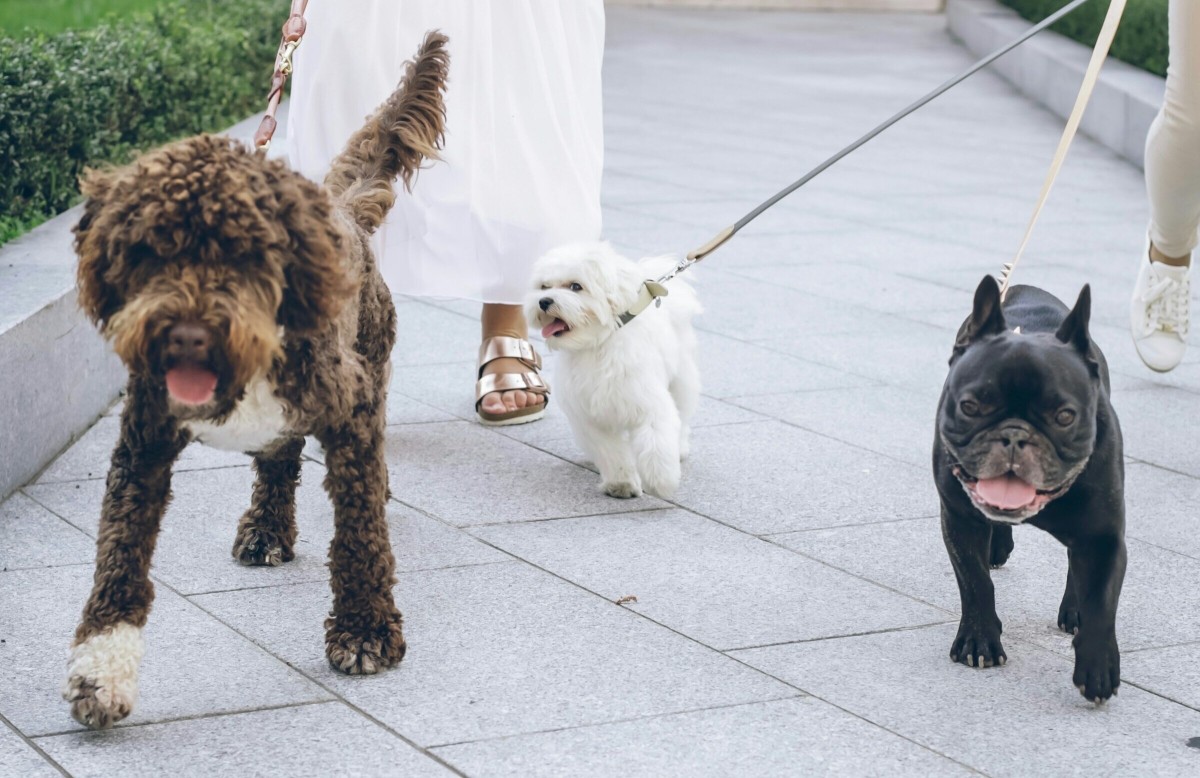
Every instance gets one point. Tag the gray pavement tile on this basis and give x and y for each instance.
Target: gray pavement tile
(766, 477)
(88, 458)
(429, 335)
(897, 352)
(31, 536)
(714, 584)
(405, 409)
(732, 368)
(466, 475)
(884, 419)
(193, 553)
(1160, 508)
(868, 288)
(761, 311)
(1159, 584)
(193, 665)
(1172, 672)
(503, 649)
(801, 736)
(18, 758)
(310, 740)
(997, 720)
(1150, 422)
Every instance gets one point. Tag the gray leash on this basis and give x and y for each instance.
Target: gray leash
(652, 290)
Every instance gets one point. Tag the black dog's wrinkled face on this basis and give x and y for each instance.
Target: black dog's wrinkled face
(1019, 412)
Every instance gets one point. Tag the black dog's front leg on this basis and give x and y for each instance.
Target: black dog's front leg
(968, 541)
(363, 633)
(102, 673)
(1097, 572)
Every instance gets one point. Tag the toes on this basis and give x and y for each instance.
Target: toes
(493, 403)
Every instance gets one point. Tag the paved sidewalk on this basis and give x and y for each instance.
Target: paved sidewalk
(794, 603)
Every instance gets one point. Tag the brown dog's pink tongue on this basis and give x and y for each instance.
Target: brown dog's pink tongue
(191, 385)
(1006, 492)
(553, 328)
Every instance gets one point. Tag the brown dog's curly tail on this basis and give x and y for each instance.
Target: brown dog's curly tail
(402, 132)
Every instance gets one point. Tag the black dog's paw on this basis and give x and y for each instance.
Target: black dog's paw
(254, 546)
(1068, 618)
(1001, 546)
(364, 651)
(978, 646)
(1097, 667)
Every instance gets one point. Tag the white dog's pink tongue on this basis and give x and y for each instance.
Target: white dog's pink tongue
(553, 328)
(191, 385)
(1006, 492)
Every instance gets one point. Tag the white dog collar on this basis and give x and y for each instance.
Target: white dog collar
(651, 292)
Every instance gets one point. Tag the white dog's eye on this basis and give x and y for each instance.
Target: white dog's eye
(545, 286)
(576, 287)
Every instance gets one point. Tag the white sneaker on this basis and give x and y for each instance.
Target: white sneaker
(1158, 315)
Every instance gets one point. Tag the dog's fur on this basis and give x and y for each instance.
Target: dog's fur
(277, 274)
(628, 392)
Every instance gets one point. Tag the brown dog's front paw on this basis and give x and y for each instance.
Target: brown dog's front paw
(102, 676)
(256, 547)
(359, 651)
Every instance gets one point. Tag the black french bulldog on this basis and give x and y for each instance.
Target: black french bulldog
(1026, 434)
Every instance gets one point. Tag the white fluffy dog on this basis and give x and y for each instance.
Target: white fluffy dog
(628, 392)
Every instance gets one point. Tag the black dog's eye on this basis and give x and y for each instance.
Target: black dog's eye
(969, 408)
(576, 287)
(1065, 417)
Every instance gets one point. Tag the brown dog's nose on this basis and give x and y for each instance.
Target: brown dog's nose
(189, 340)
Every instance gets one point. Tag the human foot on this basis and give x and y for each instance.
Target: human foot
(1159, 311)
(510, 389)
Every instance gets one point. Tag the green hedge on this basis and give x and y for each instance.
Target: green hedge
(82, 98)
(1141, 39)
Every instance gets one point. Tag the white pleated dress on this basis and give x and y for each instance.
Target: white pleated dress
(520, 171)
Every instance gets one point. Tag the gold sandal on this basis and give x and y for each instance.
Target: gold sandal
(504, 347)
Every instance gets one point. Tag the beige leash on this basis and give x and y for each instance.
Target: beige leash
(1099, 54)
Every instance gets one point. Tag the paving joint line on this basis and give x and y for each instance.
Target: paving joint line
(27, 740)
(190, 717)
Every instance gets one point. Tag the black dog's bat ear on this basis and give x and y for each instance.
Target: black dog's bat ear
(986, 316)
(1074, 329)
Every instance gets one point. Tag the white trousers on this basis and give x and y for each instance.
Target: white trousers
(1173, 144)
(520, 169)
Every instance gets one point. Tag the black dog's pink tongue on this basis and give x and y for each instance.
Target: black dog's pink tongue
(1006, 492)
(191, 385)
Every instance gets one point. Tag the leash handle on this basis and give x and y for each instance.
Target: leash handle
(1103, 43)
(293, 32)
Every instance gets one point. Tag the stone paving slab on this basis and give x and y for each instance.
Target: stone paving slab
(998, 720)
(722, 587)
(497, 650)
(298, 741)
(787, 737)
(31, 536)
(193, 665)
(194, 545)
(18, 758)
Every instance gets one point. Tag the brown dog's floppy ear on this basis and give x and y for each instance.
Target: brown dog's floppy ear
(316, 281)
(986, 316)
(1074, 329)
(98, 297)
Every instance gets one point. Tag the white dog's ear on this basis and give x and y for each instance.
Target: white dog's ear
(623, 284)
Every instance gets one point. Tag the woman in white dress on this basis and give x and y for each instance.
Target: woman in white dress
(520, 169)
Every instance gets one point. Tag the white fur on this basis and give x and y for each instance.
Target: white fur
(257, 421)
(105, 667)
(628, 393)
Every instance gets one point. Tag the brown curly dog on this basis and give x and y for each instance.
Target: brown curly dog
(247, 305)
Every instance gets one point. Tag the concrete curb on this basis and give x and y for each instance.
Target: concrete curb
(1049, 69)
(57, 375)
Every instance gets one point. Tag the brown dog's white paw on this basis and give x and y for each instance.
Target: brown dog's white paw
(102, 676)
(354, 654)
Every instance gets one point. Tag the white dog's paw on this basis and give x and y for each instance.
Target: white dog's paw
(102, 676)
(660, 475)
(623, 490)
(685, 444)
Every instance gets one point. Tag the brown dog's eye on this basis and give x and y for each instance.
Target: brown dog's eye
(576, 287)
(1065, 417)
(969, 408)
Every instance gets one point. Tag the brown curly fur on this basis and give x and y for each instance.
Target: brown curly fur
(279, 272)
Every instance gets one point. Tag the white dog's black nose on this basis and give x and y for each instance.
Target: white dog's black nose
(545, 303)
